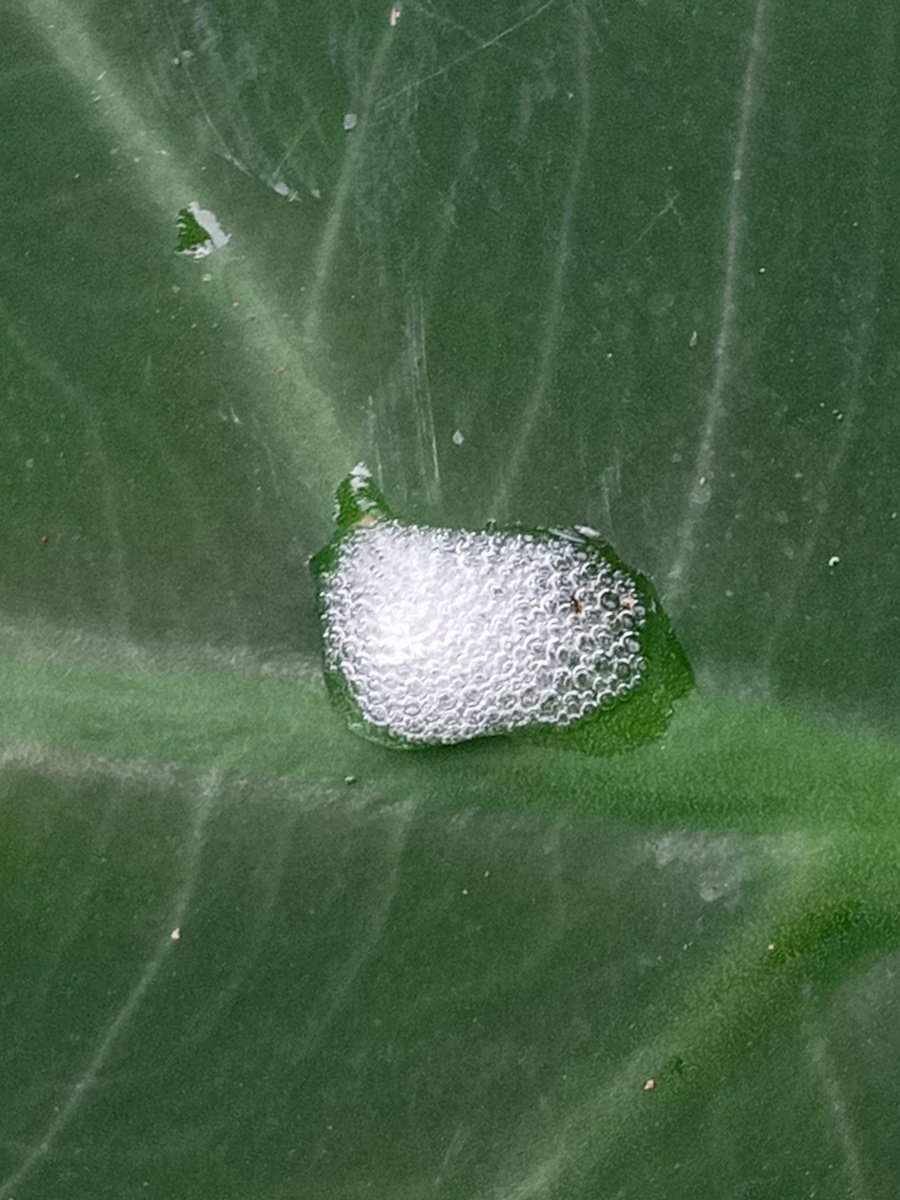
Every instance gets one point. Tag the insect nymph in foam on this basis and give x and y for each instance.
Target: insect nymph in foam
(434, 636)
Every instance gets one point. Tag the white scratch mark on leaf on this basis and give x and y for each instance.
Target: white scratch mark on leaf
(384, 101)
(122, 1019)
(535, 402)
(417, 363)
(715, 402)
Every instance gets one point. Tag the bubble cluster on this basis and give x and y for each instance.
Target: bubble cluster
(444, 635)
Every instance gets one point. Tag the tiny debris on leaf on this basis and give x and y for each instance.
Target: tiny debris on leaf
(650, 1085)
(199, 232)
(175, 935)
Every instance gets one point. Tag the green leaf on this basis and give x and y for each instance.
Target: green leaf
(625, 266)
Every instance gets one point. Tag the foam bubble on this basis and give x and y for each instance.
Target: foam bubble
(445, 635)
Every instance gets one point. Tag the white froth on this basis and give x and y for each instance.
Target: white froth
(445, 635)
